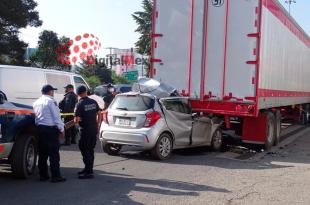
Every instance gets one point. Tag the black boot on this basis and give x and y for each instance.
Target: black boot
(86, 176)
(58, 179)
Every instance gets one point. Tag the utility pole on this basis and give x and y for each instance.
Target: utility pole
(290, 2)
(110, 56)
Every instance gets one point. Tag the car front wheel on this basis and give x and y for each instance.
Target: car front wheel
(24, 156)
(217, 143)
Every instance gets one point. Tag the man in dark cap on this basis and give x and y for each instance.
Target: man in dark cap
(109, 97)
(50, 127)
(87, 115)
(67, 106)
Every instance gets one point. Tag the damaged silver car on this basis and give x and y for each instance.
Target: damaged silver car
(154, 121)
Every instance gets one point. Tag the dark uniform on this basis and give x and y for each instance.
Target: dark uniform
(109, 97)
(87, 110)
(67, 105)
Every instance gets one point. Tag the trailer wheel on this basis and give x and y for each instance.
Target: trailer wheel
(24, 156)
(277, 129)
(270, 131)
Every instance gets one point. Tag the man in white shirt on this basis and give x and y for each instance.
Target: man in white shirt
(50, 127)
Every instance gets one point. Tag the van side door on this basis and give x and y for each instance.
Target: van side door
(58, 81)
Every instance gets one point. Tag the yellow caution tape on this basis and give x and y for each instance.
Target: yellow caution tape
(66, 114)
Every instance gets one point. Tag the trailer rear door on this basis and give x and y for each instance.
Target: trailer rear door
(207, 48)
(172, 49)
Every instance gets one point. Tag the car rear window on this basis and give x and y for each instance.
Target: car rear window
(125, 89)
(132, 103)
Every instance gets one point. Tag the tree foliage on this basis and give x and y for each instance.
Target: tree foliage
(53, 52)
(93, 81)
(95, 72)
(144, 21)
(118, 79)
(14, 15)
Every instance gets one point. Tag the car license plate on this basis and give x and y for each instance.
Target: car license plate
(124, 121)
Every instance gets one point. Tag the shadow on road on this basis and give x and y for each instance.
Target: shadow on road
(205, 157)
(106, 188)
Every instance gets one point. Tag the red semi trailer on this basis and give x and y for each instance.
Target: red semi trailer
(241, 60)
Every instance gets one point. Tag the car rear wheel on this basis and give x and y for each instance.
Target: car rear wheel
(24, 156)
(111, 149)
(163, 147)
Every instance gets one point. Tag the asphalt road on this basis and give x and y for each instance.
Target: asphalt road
(189, 177)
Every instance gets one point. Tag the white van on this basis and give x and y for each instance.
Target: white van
(23, 84)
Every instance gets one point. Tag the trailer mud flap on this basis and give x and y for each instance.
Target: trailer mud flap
(254, 129)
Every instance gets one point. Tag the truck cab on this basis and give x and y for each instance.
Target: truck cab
(18, 138)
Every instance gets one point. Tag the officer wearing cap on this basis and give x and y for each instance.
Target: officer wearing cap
(67, 105)
(87, 115)
(50, 127)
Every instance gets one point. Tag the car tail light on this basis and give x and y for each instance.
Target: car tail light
(151, 119)
(105, 117)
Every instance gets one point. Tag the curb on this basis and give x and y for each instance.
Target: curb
(289, 138)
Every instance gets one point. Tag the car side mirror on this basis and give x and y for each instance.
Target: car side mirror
(194, 115)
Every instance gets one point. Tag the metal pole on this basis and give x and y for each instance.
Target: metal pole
(289, 2)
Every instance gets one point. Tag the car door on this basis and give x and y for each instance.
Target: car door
(179, 119)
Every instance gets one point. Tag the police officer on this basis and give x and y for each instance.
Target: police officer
(67, 105)
(88, 116)
(50, 127)
(109, 97)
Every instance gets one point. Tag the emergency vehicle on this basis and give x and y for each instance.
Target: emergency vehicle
(18, 138)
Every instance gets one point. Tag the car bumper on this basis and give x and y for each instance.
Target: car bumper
(123, 138)
(5, 150)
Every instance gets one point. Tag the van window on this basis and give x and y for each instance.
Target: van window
(58, 81)
(79, 81)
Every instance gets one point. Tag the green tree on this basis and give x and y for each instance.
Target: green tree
(144, 21)
(101, 71)
(14, 15)
(118, 79)
(52, 53)
(93, 81)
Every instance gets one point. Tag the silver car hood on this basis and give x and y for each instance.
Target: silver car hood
(154, 87)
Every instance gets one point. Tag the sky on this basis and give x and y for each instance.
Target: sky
(110, 20)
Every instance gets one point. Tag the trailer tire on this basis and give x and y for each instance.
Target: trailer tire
(277, 129)
(270, 130)
(24, 156)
